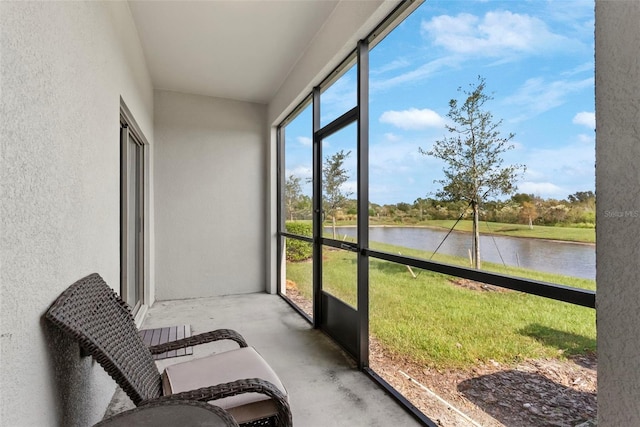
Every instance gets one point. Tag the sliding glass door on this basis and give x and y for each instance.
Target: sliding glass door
(132, 218)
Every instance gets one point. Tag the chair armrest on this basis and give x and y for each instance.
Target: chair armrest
(249, 385)
(203, 338)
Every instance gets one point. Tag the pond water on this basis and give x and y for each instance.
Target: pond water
(570, 259)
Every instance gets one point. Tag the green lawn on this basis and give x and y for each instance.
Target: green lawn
(570, 234)
(444, 325)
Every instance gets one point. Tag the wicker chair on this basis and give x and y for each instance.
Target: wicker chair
(239, 380)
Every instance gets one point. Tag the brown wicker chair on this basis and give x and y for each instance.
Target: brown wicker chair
(240, 380)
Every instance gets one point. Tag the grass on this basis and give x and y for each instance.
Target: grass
(439, 324)
(559, 279)
(569, 234)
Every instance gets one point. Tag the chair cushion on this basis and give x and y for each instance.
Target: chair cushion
(225, 367)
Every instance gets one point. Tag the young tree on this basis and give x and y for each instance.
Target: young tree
(473, 156)
(334, 176)
(292, 195)
(528, 212)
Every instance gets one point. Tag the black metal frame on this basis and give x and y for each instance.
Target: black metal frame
(281, 231)
(317, 210)
(363, 203)
(399, 397)
(360, 114)
(582, 297)
(280, 179)
(337, 319)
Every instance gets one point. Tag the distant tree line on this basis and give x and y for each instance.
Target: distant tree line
(576, 210)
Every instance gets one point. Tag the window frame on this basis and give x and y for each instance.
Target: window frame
(567, 294)
(129, 128)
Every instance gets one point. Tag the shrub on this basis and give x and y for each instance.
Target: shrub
(297, 250)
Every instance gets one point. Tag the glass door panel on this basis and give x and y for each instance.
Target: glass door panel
(339, 258)
(296, 207)
(297, 187)
(298, 274)
(132, 222)
(341, 96)
(339, 274)
(339, 184)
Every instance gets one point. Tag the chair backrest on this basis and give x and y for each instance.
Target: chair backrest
(93, 314)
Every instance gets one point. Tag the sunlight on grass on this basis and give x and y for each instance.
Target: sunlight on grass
(434, 321)
(339, 275)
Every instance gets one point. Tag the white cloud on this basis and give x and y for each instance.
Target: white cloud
(496, 34)
(543, 189)
(412, 119)
(586, 139)
(305, 140)
(422, 72)
(558, 172)
(392, 159)
(576, 15)
(502, 35)
(587, 67)
(391, 137)
(350, 187)
(585, 118)
(517, 145)
(536, 95)
(341, 96)
(302, 172)
(391, 66)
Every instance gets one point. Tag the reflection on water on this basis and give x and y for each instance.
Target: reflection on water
(570, 259)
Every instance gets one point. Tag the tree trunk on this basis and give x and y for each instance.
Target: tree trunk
(333, 222)
(476, 236)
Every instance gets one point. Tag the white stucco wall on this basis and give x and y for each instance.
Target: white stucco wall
(618, 214)
(63, 69)
(210, 196)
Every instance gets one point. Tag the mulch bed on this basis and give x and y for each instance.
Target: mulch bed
(541, 392)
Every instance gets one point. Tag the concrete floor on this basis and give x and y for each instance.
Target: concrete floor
(325, 389)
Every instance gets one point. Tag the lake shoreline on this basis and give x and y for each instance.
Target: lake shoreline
(435, 227)
(568, 258)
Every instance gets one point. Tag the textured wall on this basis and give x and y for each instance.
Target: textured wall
(63, 69)
(210, 196)
(618, 215)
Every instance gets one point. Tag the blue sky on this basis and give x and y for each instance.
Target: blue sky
(538, 61)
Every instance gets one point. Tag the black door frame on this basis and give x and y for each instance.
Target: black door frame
(347, 325)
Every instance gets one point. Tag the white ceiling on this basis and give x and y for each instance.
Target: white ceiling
(240, 50)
